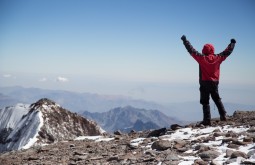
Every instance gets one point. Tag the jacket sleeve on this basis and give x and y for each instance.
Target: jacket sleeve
(228, 50)
(190, 49)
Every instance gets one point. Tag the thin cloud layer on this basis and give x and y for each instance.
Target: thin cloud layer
(62, 79)
(43, 79)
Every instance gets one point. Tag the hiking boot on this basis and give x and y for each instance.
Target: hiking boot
(207, 115)
(206, 122)
(223, 117)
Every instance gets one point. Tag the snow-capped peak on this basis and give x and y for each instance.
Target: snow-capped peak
(23, 125)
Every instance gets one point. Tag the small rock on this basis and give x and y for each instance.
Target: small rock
(151, 153)
(78, 153)
(71, 145)
(217, 134)
(161, 145)
(200, 162)
(157, 133)
(180, 142)
(236, 154)
(32, 158)
(148, 159)
(217, 130)
(172, 157)
(237, 142)
(175, 127)
(78, 158)
(248, 139)
(116, 157)
(209, 155)
(202, 148)
(235, 146)
(117, 132)
(183, 149)
(228, 153)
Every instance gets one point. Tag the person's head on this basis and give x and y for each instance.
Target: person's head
(208, 49)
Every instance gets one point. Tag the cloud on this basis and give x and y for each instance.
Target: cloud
(62, 79)
(43, 79)
(7, 75)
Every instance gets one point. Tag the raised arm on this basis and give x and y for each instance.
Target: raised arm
(189, 47)
(229, 49)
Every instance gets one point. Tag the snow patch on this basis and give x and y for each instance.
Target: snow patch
(95, 138)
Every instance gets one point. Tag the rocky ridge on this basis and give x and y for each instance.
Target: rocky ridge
(230, 142)
(61, 124)
(40, 123)
(128, 118)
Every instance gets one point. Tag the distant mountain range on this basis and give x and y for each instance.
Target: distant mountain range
(76, 102)
(80, 102)
(130, 118)
(43, 122)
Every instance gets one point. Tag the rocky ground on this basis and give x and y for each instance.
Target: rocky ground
(230, 142)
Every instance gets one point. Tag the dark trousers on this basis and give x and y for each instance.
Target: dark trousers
(208, 88)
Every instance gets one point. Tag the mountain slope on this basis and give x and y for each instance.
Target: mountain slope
(42, 122)
(126, 118)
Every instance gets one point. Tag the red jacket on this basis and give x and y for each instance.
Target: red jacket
(209, 63)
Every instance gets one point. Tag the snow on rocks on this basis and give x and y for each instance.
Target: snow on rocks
(230, 142)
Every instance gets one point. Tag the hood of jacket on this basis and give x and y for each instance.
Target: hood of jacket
(208, 49)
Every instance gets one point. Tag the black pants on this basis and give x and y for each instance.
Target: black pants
(208, 88)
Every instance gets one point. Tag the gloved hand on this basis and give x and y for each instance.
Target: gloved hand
(233, 40)
(183, 38)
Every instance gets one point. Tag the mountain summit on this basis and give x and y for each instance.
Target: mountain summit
(43, 122)
(129, 118)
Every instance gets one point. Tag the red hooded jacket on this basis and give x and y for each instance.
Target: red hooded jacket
(209, 63)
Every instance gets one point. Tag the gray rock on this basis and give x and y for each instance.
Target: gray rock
(179, 143)
(117, 132)
(235, 146)
(209, 155)
(161, 145)
(229, 153)
(172, 157)
(202, 148)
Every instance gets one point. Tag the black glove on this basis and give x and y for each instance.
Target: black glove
(233, 40)
(183, 38)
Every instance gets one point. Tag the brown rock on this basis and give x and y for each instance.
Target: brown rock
(236, 154)
(162, 145)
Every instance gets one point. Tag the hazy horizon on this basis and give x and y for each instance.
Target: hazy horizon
(131, 48)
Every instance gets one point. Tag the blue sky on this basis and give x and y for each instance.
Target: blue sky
(125, 47)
